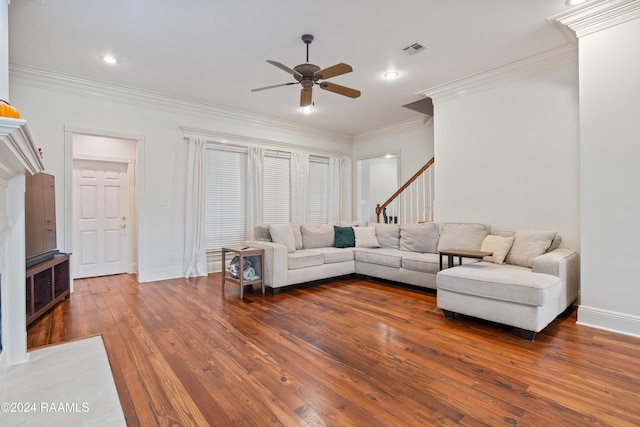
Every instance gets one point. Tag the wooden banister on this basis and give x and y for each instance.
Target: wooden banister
(381, 207)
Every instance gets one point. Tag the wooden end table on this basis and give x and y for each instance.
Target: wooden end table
(461, 253)
(243, 252)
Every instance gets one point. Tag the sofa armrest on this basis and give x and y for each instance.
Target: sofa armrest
(563, 263)
(274, 262)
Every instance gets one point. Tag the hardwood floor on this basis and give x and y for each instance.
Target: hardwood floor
(350, 352)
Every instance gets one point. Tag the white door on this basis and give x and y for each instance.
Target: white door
(101, 213)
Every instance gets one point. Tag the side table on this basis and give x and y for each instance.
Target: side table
(242, 252)
(461, 253)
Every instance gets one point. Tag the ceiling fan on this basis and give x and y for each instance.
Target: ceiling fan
(308, 75)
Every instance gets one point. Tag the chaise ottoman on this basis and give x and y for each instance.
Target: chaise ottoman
(506, 294)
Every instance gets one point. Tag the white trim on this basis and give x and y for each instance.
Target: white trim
(18, 149)
(111, 159)
(45, 79)
(535, 65)
(393, 129)
(598, 15)
(607, 320)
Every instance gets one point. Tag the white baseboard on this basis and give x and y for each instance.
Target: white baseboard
(622, 323)
(159, 274)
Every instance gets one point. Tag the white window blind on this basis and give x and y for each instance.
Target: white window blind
(318, 190)
(225, 197)
(277, 189)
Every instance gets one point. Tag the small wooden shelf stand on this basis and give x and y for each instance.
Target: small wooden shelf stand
(242, 252)
(47, 284)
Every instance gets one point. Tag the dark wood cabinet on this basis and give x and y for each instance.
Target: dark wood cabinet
(47, 283)
(40, 214)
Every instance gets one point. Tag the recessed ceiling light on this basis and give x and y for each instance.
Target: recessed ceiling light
(391, 75)
(109, 59)
(307, 110)
(574, 2)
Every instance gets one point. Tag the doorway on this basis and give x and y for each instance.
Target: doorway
(377, 181)
(103, 204)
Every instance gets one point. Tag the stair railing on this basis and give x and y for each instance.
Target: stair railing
(413, 202)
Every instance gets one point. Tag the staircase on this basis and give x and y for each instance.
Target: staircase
(413, 202)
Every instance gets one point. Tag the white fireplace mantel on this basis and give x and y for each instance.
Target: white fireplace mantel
(18, 152)
(18, 156)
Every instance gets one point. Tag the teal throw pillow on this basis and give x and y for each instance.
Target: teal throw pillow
(344, 237)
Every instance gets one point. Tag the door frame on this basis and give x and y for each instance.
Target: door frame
(137, 189)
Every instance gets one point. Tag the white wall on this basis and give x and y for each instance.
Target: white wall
(509, 156)
(165, 153)
(4, 51)
(383, 182)
(610, 177)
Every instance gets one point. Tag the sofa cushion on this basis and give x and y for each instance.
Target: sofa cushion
(500, 247)
(419, 237)
(304, 258)
(345, 238)
(317, 236)
(505, 283)
(261, 232)
(462, 235)
(388, 235)
(382, 256)
(283, 234)
(527, 245)
(366, 237)
(333, 255)
(297, 235)
(426, 263)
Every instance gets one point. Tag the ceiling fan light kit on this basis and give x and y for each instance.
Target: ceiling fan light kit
(308, 75)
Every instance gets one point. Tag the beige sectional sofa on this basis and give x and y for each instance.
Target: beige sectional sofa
(527, 282)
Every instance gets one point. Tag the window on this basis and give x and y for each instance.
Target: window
(225, 197)
(318, 190)
(277, 189)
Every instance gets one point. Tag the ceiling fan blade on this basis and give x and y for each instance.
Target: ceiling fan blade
(341, 90)
(271, 87)
(284, 68)
(333, 71)
(306, 97)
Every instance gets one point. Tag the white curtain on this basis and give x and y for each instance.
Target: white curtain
(195, 254)
(347, 212)
(336, 178)
(299, 187)
(255, 188)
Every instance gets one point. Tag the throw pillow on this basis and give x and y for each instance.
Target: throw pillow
(366, 237)
(462, 235)
(283, 234)
(529, 244)
(499, 246)
(345, 238)
(419, 238)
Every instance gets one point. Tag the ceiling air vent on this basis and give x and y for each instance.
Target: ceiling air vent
(414, 48)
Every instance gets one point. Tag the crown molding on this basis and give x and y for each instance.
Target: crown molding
(538, 64)
(393, 129)
(598, 15)
(244, 140)
(49, 80)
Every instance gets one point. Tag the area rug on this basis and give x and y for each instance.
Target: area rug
(62, 385)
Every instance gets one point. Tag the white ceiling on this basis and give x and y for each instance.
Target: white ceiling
(214, 51)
